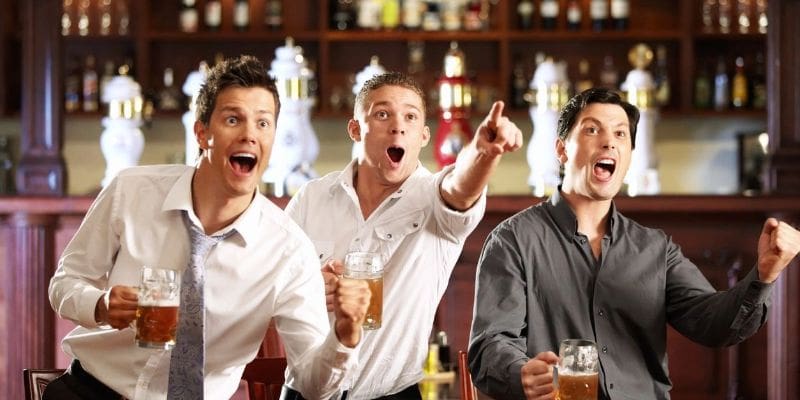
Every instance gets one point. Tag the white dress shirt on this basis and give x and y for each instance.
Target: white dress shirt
(419, 238)
(267, 269)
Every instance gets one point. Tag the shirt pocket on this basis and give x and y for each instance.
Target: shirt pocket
(324, 250)
(391, 234)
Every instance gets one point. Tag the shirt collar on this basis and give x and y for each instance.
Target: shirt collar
(179, 198)
(345, 179)
(568, 223)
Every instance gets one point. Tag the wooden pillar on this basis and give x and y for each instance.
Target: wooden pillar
(41, 169)
(30, 319)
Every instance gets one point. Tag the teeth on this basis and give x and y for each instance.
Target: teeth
(606, 162)
(248, 155)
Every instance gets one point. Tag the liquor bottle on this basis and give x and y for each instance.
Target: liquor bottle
(724, 17)
(67, 17)
(369, 14)
(105, 17)
(451, 15)
(473, 18)
(761, 15)
(721, 87)
(390, 14)
(431, 20)
(213, 14)
(620, 12)
(519, 85)
(6, 167)
(574, 15)
(72, 87)
(525, 10)
(189, 17)
(707, 15)
(273, 15)
(241, 15)
(412, 14)
(661, 77)
(743, 15)
(598, 12)
(90, 85)
(108, 73)
(83, 17)
(609, 76)
(702, 89)
(343, 15)
(549, 11)
(123, 17)
(739, 94)
(584, 81)
(169, 98)
(759, 84)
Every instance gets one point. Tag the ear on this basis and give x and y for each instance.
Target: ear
(561, 151)
(354, 130)
(200, 134)
(426, 135)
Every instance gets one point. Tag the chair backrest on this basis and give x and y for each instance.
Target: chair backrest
(35, 381)
(468, 391)
(265, 376)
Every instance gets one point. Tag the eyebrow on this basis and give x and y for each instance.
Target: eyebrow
(597, 121)
(386, 103)
(239, 109)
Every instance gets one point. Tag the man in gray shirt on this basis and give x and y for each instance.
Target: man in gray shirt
(574, 267)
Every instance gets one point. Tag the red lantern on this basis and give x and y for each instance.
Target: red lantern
(455, 100)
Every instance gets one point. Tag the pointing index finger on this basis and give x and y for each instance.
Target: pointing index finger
(496, 113)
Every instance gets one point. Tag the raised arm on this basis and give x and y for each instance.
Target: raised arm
(475, 163)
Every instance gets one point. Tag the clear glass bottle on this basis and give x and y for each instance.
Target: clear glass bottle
(83, 17)
(707, 10)
(574, 15)
(761, 15)
(241, 15)
(525, 10)
(104, 11)
(169, 98)
(620, 14)
(598, 12)
(123, 17)
(724, 16)
(743, 8)
(90, 85)
(722, 90)
(273, 15)
(67, 17)
(213, 14)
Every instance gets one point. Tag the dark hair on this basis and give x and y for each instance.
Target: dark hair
(243, 71)
(388, 79)
(579, 102)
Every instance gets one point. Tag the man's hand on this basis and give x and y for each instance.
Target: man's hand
(121, 308)
(331, 272)
(497, 134)
(778, 244)
(350, 302)
(537, 376)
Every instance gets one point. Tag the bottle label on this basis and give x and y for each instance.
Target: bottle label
(213, 13)
(574, 15)
(549, 9)
(189, 20)
(598, 9)
(241, 15)
(620, 9)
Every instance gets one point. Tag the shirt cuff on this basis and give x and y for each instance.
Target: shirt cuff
(88, 303)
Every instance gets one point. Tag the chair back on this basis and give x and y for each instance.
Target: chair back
(468, 391)
(35, 381)
(265, 376)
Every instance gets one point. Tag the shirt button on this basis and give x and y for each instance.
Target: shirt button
(415, 225)
(605, 349)
(357, 239)
(389, 235)
(610, 385)
(601, 313)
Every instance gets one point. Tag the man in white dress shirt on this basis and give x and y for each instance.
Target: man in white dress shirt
(386, 201)
(264, 269)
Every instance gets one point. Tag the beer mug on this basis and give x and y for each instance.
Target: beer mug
(368, 266)
(157, 309)
(577, 370)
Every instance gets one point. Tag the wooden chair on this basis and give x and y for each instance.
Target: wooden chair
(265, 376)
(35, 381)
(468, 391)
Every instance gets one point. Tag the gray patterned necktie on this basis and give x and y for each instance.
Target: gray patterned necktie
(188, 355)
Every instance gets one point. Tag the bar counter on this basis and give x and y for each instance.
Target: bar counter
(719, 233)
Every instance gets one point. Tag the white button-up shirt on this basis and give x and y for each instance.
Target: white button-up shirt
(419, 238)
(267, 269)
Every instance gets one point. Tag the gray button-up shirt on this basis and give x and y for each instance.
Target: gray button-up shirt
(539, 283)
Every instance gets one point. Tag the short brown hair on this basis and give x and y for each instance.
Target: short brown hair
(388, 79)
(595, 95)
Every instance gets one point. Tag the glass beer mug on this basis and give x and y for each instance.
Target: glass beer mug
(157, 309)
(577, 370)
(368, 266)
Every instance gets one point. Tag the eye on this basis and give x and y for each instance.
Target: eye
(412, 117)
(382, 114)
(263, 124)
(592, 130)
(621, 134)
(231, 120)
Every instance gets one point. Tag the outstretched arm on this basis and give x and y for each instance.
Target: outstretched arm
(475, 163)
(778, 244)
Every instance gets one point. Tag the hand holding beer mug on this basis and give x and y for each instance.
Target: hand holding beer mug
(157, 311)
(368, 266)
(577, 370)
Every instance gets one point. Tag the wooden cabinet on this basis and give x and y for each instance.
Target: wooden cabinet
(10, 55)
(155, 42)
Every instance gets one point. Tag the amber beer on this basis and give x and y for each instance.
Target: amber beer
(577, 387)
(156, 326)
(157, 309)
(368, 266)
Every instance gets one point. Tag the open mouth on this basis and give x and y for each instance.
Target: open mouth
(604, 168)
(395, 154)
(243, 163)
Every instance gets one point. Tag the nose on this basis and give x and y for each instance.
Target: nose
(397, 125)
(609, 141)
